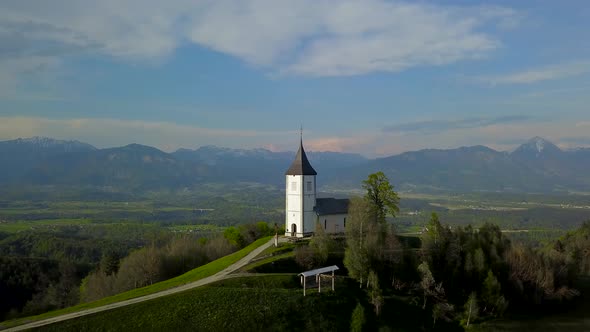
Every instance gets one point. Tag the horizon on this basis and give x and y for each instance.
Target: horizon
(377, 78)
(528, 141)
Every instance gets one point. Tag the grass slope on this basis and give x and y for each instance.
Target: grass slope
(193, 275)
(261, 303)
(258, 303)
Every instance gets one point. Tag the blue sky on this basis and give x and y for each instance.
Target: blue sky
(375, 77)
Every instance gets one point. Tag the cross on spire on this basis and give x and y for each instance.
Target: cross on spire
(301, 133)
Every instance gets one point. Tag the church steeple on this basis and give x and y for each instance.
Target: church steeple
(300, 195)
(301, 165)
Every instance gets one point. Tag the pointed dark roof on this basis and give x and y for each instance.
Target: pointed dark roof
(301, 165)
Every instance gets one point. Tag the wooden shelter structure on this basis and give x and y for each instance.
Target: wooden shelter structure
(318, 274)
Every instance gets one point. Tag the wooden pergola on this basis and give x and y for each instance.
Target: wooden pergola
(318, 274)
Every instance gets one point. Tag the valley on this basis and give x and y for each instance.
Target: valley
(63, 231)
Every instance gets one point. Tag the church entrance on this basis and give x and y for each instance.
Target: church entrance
(293, 230)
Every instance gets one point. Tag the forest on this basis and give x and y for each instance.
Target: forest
(457, 275)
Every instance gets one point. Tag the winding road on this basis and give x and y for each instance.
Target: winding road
(221, 275)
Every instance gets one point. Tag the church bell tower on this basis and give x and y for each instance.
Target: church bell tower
(300, 191)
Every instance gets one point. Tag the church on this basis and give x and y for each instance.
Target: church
(303, 209)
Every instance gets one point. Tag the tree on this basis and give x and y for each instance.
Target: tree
(96, 286)
(141, 268)
(356, 256)
(381, 196)
(434, 233)
(235, 237)
(426, 282)
(109, 263)
(491, 295)
(442, 310)
(375, 293)
(321, 244)
(357, 321)
(471, 309)
(392, 251)
(479, 260)
(304, 257)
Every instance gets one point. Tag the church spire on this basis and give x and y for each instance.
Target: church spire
(301, 135)
(301, 165)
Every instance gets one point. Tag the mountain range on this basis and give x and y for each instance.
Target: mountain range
(536, 166)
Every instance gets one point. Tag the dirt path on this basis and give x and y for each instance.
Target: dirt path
(223, 274)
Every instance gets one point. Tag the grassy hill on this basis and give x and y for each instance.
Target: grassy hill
(240, 304)
(255, 303)
(191, 276)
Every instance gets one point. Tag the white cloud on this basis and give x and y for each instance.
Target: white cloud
(306, 37)
(541, 74)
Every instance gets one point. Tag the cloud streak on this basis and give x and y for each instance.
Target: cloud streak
(439, 126)
(546, 73)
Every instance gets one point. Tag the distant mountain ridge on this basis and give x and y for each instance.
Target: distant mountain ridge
(536, 166)
(18, 155)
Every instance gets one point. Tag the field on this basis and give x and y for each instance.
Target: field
(218, 207)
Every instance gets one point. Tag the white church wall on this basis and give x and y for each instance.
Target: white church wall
(333, 223)
(293, 206)
(309, 200)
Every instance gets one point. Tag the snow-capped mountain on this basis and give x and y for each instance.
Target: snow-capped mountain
(536, 147)
(49, 143)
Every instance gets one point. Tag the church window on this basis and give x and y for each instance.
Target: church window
(309, 188)
(344, 222)
(293, 186)
(325, 223)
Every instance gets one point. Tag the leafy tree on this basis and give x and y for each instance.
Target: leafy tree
(392, 252)
(357, 320)
(356, 255)
(426, 282)
(304, 257)
(321, 244)
(491, 296)
(375, 292)
(479, 260)
(471, 312)
(97, 285)
(109, 263)
(141, 268)
(217, 247)
(442, 310)
(384, 200)
(234, 236)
